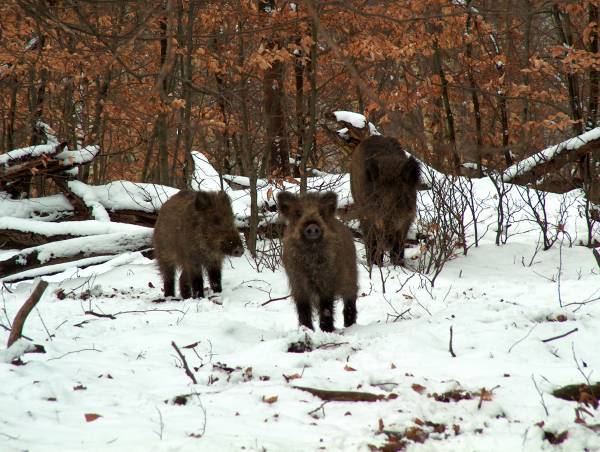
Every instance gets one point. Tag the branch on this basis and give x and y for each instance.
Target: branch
(450, 349)
(345, 396)
(19, 322)
(188, 372)
(561, 336)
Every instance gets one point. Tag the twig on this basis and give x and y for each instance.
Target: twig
(541, 395)
(522, 339)
(587, 377)
(161, 424)
(96, 314)
(271, 300)
(561, 336)
(19, 322)
(450, 349)
(320, 407)
(184, 363)
(76, 351)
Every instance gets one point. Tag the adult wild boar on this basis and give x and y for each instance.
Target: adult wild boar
(195, 231)
(319, 257)
(384, 187)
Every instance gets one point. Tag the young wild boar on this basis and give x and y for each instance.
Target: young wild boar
(384, 187)
(319, 257)
(194, 231)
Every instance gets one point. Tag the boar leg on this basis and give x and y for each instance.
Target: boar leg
(214, 277)
(304, 312)
(349, 311)
(326, 314)
(374, 255)
(397, 253)
(197, 283)
(168, 274)
(184, 284)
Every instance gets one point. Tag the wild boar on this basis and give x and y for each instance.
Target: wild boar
(319, 258)
(195, 231)
(384, 183)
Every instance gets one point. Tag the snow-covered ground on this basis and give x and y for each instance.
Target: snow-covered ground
(501, 303)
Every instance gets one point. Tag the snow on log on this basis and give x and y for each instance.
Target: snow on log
(355, 124)
(28, 153)
(46, 209)
(16, 350)
(123, 195)
(552, 158)
(205, 176)
(75, 249)
(24, 233)
(78, 156)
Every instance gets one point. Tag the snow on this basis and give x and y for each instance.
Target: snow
(501, 302)
(356, 120)
(77, 228)
(48, 208)
(122, 195)
(205, 177)
(549, 153)
(78, 156)
(33, 151)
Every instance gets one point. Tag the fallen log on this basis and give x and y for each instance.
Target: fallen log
(75, 249)
(25, 233)
(345, 396)
(574, 392)
(532, 169)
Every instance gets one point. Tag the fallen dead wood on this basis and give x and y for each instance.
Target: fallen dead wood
(575, 392)
(17, 239)
(75, 249)
(345, 396)
(19, 322)
(22, 233)
(550, 160)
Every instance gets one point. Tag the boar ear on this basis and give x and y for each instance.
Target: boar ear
(285, 201)
(329, 202)
(202, 201)
(222, 195)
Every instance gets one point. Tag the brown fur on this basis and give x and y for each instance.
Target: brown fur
(322, 268)
(384, 187)
(194, 231)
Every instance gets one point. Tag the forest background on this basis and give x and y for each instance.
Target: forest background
(253, 84)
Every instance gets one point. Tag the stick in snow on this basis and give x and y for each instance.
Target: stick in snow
(19, 322)
(450, 349)
(184, 362)
(345, 396)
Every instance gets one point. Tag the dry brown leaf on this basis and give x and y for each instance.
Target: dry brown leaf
(418, 388)
(91, 417)
(270, 400)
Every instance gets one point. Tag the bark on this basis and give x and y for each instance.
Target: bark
(19, 322)
(309, 142)
(345, 396)
(450, 129)
(594, 75)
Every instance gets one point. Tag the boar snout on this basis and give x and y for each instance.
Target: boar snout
(313, 232)
(233, 247)
(237, 251)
